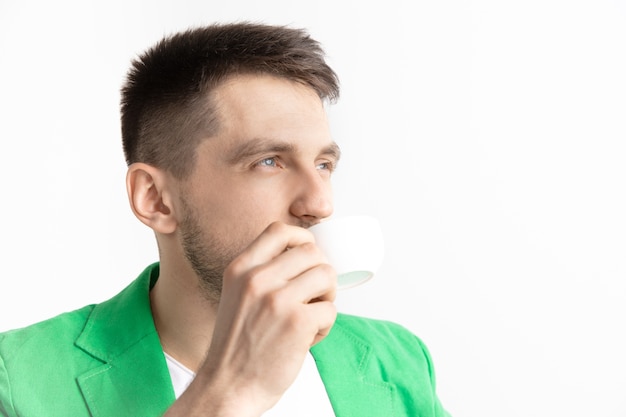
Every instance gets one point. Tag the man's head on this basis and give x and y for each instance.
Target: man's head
(167, 101)
(225, 132)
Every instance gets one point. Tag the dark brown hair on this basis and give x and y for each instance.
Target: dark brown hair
(166, 104)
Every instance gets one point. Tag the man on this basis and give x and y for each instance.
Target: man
(230, 158)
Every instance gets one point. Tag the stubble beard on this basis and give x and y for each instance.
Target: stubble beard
(208, 257)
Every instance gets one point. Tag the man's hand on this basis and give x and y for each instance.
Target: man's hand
(277, 302)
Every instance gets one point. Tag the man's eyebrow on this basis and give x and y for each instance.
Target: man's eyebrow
(332, 150)
(260, 146)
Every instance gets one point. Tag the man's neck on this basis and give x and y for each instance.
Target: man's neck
(183, 318)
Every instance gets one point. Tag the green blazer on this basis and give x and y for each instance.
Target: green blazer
(106, 360)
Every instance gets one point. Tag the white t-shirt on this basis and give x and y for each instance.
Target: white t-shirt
(305, 397)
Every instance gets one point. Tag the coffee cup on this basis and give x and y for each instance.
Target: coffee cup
(353, 245)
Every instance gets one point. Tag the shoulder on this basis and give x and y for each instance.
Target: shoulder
(367, 325)
(392, 353)
(381, 352)
(44, 336)
(391, 344)
(42, 359)
(379, 332)
(126, 313)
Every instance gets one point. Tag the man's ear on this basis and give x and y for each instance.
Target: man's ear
(151, 198)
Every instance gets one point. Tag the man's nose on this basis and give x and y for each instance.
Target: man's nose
(313, 199)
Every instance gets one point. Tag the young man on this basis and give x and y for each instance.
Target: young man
(229, 162)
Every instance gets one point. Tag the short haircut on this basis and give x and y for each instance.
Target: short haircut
(166, 106)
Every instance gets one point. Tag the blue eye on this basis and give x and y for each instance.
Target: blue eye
(328, 166)
(268, 162)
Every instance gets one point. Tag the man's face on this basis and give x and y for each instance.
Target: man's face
(271, 160)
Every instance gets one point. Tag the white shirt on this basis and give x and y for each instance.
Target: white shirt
(305, 397)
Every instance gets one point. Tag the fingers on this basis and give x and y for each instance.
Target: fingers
(274, 240)
(314, 285)
(280, 254)
(284, 268)
(317, 289)
(326, 314)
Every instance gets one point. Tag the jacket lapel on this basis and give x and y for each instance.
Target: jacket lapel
(132, 378)
(349, 372)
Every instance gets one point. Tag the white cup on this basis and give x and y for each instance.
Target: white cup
(354, 246)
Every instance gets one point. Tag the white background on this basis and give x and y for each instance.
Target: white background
(488, 137)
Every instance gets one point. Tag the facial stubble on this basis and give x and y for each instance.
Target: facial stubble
(207, 255)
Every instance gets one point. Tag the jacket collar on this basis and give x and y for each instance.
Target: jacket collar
(133, 375)
(351, 374)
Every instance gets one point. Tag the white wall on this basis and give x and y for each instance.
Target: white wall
(488, 136)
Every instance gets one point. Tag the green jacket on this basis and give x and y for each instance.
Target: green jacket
(106, 360)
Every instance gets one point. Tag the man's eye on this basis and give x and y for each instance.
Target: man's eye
(328, 166)
(268, 162)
